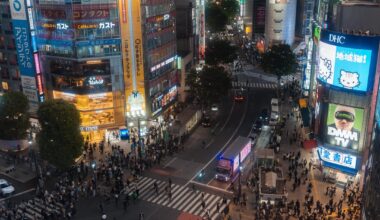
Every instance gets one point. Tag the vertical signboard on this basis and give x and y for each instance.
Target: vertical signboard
(25, 58)
(133, 66)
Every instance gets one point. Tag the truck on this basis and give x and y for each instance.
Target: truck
(233, 159)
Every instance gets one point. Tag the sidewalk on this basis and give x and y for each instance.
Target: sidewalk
(315, 175)
(21, 171)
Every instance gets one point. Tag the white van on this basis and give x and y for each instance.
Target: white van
(273, 102)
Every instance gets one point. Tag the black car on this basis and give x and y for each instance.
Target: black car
(206, 122)
(264, 116)
(257, 125)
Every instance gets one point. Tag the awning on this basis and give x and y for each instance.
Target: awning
(305, 114)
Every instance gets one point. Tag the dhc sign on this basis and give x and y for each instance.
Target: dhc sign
(338, 39)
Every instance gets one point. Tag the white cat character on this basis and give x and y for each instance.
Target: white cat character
(349, 80)
(325, 70)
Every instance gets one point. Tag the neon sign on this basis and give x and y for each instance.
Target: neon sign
(62, 26)
(106, 25)
(95, 80)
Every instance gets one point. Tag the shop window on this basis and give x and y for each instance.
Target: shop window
(99, 117)
(4, 72)
(15, 74)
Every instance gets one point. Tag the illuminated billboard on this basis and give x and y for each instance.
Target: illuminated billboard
(132, 54)
(347, 61)
(337, 158)
(344, 126)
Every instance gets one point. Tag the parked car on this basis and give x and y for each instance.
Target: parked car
(257, 125)
(6, 189)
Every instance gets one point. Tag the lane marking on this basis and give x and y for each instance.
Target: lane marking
(212, 187)
(226, 144)
(170, 162)
(18, 194)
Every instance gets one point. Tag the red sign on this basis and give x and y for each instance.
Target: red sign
(91, 14)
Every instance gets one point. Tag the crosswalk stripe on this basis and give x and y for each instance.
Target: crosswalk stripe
(208, 204)
(145, 195)
(179, 197)
(207, 200)
(179, 203)
(197, 199)
(213, 205)
(166, 198)
(162, 193)
(174, 195)
(221, 209)
(189, 201)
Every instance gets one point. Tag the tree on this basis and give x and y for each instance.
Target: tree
(14, 116)
(230, 8)
(60, 140)
(220, 51)
(280, 61)
(215, 17)
(209, 84)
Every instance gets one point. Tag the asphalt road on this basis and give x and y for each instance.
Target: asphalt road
(234, 119)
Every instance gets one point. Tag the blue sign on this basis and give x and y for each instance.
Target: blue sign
(346, 61)
(24, 47)
(338, 160)
(124, 134)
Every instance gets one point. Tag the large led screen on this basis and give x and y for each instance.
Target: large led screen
(346, 61)
(344, 126)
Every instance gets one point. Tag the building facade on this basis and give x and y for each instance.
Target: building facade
(9, 72)
(80, 56)
(343, 88)
(280, 21)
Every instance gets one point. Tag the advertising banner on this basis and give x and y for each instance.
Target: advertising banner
(339, 159)
(344, 126)
(347, 61)
(132, 53)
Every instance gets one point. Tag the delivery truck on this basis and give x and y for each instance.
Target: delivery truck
(233, 159)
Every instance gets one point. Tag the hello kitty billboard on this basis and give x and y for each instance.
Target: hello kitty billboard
(347, 61)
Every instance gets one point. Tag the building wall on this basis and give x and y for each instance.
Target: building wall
(159, 31)
(9, 72)
(280, 21)
(79, 46)
(350, 18)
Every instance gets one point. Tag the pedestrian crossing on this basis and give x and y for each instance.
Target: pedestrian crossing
(260, 85)
(183, 198)
(37, 208)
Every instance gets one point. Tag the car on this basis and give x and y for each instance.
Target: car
(206, 122)
(264, 116)
(257, 125)
(6, 189)
(239, 97)
(214, 107)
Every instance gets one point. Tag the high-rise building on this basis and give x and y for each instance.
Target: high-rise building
(280, 21)
(9, 71)
(80, 56)
(344, 85)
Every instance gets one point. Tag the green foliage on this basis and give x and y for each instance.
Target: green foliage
(220, 51)
(215, 17)
(60, 140)
(210, 84)
(14, 117)
(230, 8)
(279, 60)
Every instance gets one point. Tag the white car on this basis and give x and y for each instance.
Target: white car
(6, 189)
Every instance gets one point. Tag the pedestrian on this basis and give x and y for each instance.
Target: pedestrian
(193, 187)
(217, 207)
(141, 216)
(170, 182)
(101, 207)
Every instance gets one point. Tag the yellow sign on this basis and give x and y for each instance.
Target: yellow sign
(133, 65)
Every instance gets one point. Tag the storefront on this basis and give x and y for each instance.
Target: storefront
(339, 166)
